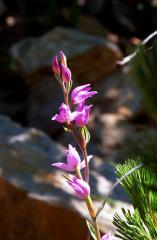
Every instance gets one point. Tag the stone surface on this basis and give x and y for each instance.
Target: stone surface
(43, 102)
(2, 7)
(89, 57)
(29, 184)
(117, 93)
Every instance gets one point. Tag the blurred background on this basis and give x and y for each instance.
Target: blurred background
(95, 35)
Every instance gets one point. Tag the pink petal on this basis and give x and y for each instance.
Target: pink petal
(58, 118)
(80, 88)
(108, 236)
(73, 158)
(82, 96)
(66, 73)
(62, 166)
(55, 66)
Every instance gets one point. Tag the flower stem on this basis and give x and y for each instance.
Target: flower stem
(93, 216)
(86, 165)
(91, 210)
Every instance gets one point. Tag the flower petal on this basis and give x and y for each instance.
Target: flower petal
(62, 166)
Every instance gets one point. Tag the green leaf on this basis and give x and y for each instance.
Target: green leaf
(69, 85)
(66, 129)
(141, 187)
(85, 132)
(91, 229)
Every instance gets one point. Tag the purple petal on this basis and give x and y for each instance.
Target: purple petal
(62, 166)
(64, 114)
(76, 90)
(66, 73)
(55, 66)
(82, 118)
(82, 96)
(108, 236)
(63, 58)
(58, 118)
(73, 158)
(80, 187)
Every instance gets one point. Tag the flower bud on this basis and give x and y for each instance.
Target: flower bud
(63, 59)
(66, 73)
(56, 67)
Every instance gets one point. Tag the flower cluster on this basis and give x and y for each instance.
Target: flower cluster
(81, 114)
(74, 114)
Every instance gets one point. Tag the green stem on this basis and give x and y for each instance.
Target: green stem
(91, 210)
(93, 216)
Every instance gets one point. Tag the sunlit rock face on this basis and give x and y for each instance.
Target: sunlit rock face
(35, 199)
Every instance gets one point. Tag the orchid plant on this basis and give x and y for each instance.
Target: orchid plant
(74, 115)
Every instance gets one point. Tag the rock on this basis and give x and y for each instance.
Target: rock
(120, 139)
(43, 103)
(91, 25)
(29, 185)
(2, 7)
(90, 57)
(87, 56)
(117, 93)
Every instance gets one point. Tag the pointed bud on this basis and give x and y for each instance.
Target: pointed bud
(56, 67)
(63, 59)
(66, 73)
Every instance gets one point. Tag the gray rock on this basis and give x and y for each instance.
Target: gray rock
(43, 102)
(25, 163)
(27, 51)
(118, 94)
(87, 55)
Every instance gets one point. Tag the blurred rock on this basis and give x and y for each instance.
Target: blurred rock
(91, 25)
(2, 7)
(118, 94)
(90, 57)
(121, 139)
(29, 185)
(13, 95)
(43, 102)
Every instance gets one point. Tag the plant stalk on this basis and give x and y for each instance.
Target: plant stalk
(91, 210)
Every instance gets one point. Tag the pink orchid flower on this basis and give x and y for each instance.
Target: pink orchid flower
(73, 161)
(65, 115)
(82, 117)
(81, 93)
(80, 187)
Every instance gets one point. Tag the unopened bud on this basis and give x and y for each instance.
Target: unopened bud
(66, 73)
(63, 59)
(56, 67)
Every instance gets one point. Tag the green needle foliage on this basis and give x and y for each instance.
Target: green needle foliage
(140, 185)
(144, 70)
